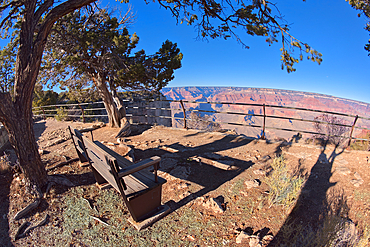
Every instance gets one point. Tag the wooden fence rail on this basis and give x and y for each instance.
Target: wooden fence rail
(173, 108)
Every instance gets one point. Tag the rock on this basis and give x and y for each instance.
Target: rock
(357, 175)
(125, 131)
(357, 182)
(323, 159)
(265, 158)
(259, 172)
(254, 242)
(242, 237)
(41, 152)
(214, 205)
(268, 238)
(252, 183)
(342, 170)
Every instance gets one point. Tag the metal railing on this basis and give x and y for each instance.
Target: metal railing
(50, 111)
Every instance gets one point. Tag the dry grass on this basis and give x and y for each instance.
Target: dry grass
(284, 186)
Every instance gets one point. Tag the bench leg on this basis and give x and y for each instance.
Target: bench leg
(101, 182)
(146, 203)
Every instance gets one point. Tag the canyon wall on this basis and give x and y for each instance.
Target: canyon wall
(274, 97)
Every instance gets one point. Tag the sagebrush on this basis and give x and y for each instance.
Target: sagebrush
(284, 186)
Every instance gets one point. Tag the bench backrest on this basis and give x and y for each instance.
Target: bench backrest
(78, 143)
(103, 162)
(140, 189)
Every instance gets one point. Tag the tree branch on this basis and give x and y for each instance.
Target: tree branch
(41, 10)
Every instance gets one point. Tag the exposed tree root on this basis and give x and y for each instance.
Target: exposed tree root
(27, 209)
(59, 179)
(28, 226)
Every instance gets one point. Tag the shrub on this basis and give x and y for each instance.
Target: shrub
(329, 130)
(284, 186)
(363, 145)
(196, 121)
(62, 114)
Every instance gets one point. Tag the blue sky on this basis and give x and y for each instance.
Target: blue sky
(331, 27)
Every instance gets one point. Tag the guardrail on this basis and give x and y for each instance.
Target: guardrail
(50, 111)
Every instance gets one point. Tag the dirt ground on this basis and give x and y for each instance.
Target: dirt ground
(198, 166)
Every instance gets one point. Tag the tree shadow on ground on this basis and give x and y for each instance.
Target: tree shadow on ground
(5, 181)
(207, 176)
(312, 205)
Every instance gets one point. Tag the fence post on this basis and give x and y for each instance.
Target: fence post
(350, 135)
(43, 112)
(83, 115)
(183, 110)
(263, 137)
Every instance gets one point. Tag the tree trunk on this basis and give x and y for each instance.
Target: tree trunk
(115, 109)
(125, 125)
(16, 111)
(114, 116)
(19, 124)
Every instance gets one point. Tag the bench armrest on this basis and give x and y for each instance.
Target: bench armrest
(153, 161)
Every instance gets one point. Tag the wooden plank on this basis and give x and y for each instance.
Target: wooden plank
(137, 183)
(102, 168)
(172, 150)
(126, 162)
(134, 186)
(139, 166)
(145, 177)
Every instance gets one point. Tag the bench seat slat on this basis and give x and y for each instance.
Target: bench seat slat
(144, 176)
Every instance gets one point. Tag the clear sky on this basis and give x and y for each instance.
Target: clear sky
(331, 27)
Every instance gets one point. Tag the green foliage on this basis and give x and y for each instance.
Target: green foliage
(7, 60)
(284, 186)
(43, 98)
(222, 19)
(62, 114)
(364, 7)
(97, 48)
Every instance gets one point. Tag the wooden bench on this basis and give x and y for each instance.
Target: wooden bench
(141, 190)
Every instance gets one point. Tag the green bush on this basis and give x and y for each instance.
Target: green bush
(62, 114)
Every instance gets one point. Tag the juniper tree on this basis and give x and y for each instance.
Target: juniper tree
(93, 49)
(32, 21)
